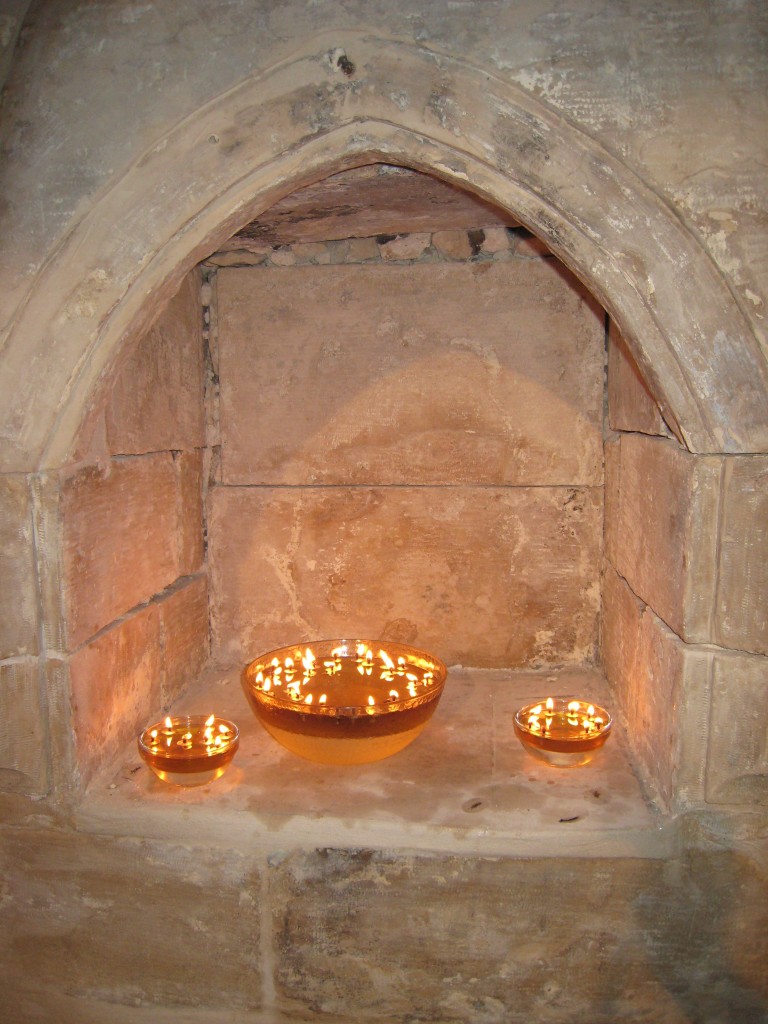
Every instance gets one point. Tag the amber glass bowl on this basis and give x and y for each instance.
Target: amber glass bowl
(344, 701)
(191, 750)
(566, 732)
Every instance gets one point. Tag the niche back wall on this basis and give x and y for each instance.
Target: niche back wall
(411, 449)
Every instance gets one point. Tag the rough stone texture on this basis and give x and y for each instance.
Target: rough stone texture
(481, 576)
(367, 201)
(661, 528)
(127, 534)
(361, 249)
(663, 690)
(23, 752)
(311, 252)
(631, 405)
(189, 510)
(453, 244)
(115, 681)
(741, 613)
(365, 935)
(737, 761)
(185, 641)
(405, 247)
(495, 240)
(18, 591)
(155, 401)
(346, 375)
(125, 923)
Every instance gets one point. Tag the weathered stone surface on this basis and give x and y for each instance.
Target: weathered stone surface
(189, 467)
(311, 252)
(742, 582)
(453, 244)
(737, 759)
(495, 240)
(406, 247)
(661, 529)
(115, 681)
(185, 641)
(347, 375)
(126, 922)
(23, 750)
(662, 689)
(631, 405)
(361, 249)
(18, 592)
(283, 257)
(367, 201)
(481, 576)
(365, 935)
(155, 402)
(122, 541)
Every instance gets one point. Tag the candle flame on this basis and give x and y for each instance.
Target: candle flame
(210, 720)
(550, 705)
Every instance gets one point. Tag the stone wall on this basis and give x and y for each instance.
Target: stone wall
(684, 613)
(121, 566)
(128, 930)
(411, 449)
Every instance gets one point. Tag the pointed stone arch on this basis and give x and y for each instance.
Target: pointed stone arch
(346, 99)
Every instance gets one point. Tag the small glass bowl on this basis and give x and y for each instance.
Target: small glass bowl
(191, 750)
(344, 701)
(566, 733)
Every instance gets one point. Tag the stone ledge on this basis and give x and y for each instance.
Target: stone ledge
(422, 800)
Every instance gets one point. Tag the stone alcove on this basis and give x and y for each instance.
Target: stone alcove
(308, 118)
(616, 133)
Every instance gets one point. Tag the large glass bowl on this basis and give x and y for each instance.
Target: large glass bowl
(344, 701)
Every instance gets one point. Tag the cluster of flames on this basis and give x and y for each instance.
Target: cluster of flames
(212, 738)
(296, 671)
(540, 717)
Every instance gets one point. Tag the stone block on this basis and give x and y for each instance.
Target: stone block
(115, 681)
(121, 539)
(741, 614)
(184, 625)
(662, 688)
(128, 923)
(452, 244)
(406, 247)
(311, 252)
(360, 250)
(191, 549)
(481, 576)
(18, 593)
(155, 402)
(349, 376)
(631, 406)
(496, 240)
(661, 529)
(737, 759)
(23, 748)
(371, 936)
(282, 257)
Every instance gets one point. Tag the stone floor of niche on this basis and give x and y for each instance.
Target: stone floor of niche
(464, 786)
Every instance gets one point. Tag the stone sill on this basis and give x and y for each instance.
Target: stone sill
(465, 786)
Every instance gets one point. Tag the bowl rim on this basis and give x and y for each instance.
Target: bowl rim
(522, 713)
(272, 700)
